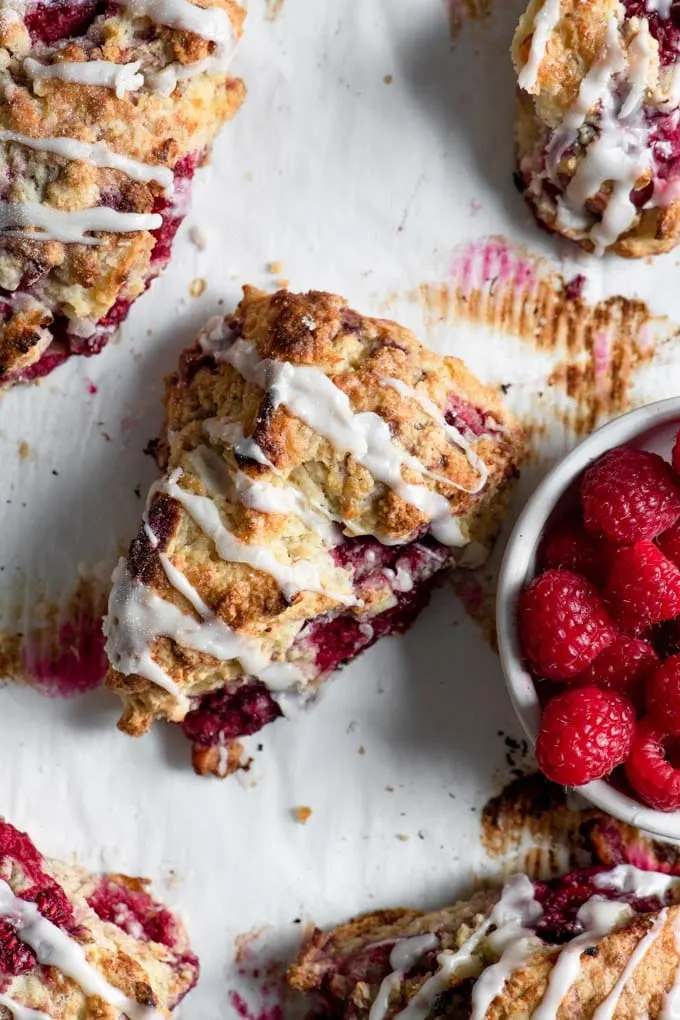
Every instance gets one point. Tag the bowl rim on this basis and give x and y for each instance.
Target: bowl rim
(517, 568)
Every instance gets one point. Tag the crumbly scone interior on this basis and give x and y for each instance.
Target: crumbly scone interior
(321, 469)
(597, 114)
(597, 943)
(74, 945)
(108, 109)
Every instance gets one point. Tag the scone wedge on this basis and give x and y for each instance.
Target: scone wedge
(597, 122)
(321, 470)
(597, 943)
(79, 946)
(108, 110)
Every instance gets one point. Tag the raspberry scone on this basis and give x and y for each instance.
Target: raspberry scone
(77, 946)
(108, 109)
(597, 128)
(596, 943)
(322, 469)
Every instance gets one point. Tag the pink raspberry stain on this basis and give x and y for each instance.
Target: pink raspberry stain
(602, 352)
(243, 1010)
(492, 261)
(75, 662)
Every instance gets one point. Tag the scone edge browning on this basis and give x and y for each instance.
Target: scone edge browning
(137, 147)
(317, 333)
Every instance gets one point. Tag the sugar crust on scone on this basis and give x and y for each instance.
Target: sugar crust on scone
(490, 961)
(119, 155)
(301, 552)
(112, 948)
(597, 114)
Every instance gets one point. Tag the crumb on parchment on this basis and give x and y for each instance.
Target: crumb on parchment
(302, 814)
(197, 287)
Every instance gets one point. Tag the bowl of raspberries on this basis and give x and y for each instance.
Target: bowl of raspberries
(588, 617)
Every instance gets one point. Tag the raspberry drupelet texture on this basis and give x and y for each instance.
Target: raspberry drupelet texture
(653, 777)
(563, 624)
(663, 696)
(629, 495)
(643, 587)
(622, 667)
(568, 546)
(584, 735)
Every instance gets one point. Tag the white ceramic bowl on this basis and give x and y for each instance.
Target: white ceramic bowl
(652, 427)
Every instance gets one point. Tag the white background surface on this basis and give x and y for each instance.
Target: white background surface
(365, 188)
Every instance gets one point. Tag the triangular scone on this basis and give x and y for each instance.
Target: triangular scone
(108, 109)
(597, 118)
(321, 469)
(78, 946)
(597, 944)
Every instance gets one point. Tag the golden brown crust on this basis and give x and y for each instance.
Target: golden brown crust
(316, 330)
(550, 154)
(336, 964)
(147, 972)
(76, 286)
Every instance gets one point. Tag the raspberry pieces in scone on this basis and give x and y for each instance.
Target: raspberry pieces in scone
(597, 124)
(78, 946)
(108, 110)
(321, 469)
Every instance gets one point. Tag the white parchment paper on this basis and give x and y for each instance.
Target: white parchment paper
(373, 157)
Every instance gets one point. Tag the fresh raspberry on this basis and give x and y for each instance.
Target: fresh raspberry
(669, 544)
(622, 667)
(568, 545)
(643, 587)
(629, 495)
(584, 734)
(650, 773)
(663, 696)
(563, 624)
(676, 454)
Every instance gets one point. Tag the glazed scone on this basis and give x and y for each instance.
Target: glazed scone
(108, 108)
(597, 125)
(322, 469)
(78, 946)
(597, 943)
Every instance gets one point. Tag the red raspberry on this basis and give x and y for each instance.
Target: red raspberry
(621, 667)
(563, 624)
(629, 495)
(669, 544)
(676, 454)
(584, 734)
(663, 696)
(569, 546)
(643, 587)
(649, 772)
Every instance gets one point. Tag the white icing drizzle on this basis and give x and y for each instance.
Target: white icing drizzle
(261, 495)
(122, 78)
(54, 948)
(619, 153)
(544, 25)
(71, 227)
(314, 398)
(231, 432)
(660, 7)
(211, 23)
(404, 956)
(606, 1010)
(516, 906)
(137, 616)
(292, 578)
(599, 916)
(20, 1012)
(629, 880)
(97, 154)
(454, 435)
